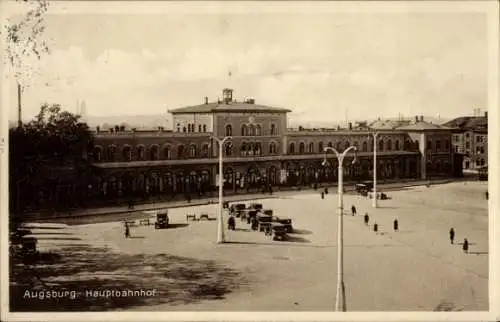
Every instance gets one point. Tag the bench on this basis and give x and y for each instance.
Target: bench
(204, 216)
(191, 216)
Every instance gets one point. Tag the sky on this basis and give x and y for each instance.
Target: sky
(322, 64)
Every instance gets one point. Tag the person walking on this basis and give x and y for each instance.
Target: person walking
(353, 210)
(465, 246)
(375, 227)
(452, 235)
(127, 230)
(396, 224)
(367, 218)
(231, 223)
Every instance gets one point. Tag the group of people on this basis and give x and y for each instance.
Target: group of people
(395, 225)
(465, 244)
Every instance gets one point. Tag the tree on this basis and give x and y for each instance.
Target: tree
(24, 40)
(53, 139)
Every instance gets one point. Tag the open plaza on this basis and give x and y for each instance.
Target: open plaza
(184, 269)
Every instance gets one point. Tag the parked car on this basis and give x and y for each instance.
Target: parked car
(161, 220)
(278, 231)
(264, 221)
(286, 222)
(255, 206)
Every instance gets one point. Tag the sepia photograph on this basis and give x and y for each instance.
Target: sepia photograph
(262, 157)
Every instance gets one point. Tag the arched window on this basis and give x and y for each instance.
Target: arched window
(337, 146)
(127, 153)
(397, 145)
(192, 150)
(330, 144)
(180, 151)
(153, 152)
(243, 149)
(243, 130)
(272, 148)
(204, 127)
(273, 129)
(292, 148)
(380, 145)
(97, 154)
(389, 145)
(167, 152)
(178, 127)
(251, 130)
(140, 152)
(204, 150)
(302, 148)
(256, 149)
(229, 149)
(199, 127)
(258, 130)
(111, 153)
(229, 130)
(311, 147)
(184, 129)
(365, 146)
(320, 147)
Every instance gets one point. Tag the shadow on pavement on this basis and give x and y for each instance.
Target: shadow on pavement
(175, 280)
(136, 237)
(243, 229)
(57, 238)
(301, 232)
(175, 226)
(296, 239)
(478, 253)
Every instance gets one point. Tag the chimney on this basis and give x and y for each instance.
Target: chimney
(421, 118)
(350, 126)
(416, 118)
(206, 100)
(486, 114)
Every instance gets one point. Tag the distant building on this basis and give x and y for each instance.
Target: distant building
(470, 138)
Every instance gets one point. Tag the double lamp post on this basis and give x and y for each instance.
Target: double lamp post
(220, 219)
(340, 303)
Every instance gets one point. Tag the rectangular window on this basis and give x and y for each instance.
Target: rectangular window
(479, 139)
(467, 145)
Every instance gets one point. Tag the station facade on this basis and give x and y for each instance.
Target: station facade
(262, 151)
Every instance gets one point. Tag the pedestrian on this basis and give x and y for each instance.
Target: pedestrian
(465, 246)
(322, 195)
(367, 218)
(231, 223)
(396, 224)
(353, 210)
(452, 235)
(127, 230)
(255, 224)
(375, 227)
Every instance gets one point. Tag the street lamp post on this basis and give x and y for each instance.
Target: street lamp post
(340, 304)
(220, 224)
(374, 202)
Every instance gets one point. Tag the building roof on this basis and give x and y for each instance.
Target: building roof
(469, 122)
(231, 107)
(388, 124)
(423, 126)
